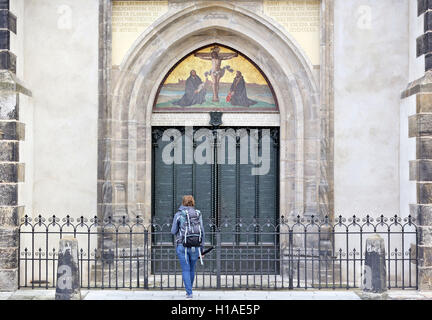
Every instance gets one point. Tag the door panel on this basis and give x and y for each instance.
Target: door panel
(203, 192)
(226, 191)
(163, 190)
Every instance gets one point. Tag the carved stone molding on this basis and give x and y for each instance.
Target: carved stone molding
(306, 101)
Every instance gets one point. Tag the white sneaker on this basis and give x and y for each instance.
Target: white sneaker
(189, 296)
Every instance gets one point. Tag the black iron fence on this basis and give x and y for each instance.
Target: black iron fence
(250, 254)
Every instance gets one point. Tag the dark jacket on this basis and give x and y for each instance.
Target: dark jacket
(175, 229)
(239, 98)
(190, 97)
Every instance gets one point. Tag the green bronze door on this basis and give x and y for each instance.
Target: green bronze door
(231, 196)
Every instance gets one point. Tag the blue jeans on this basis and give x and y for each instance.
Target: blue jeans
(188, 269)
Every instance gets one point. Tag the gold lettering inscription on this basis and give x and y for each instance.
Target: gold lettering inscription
(301, 20)
(129, 20)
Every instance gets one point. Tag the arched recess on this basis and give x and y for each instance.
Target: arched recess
(127, 165)
(239, 62)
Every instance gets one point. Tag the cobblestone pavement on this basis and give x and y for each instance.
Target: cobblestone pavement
(220, 295)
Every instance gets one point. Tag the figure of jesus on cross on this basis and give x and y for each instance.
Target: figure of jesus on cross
(216, 72)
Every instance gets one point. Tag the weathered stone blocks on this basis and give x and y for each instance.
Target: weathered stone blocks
(428, 21)
(119, 169)
(422, 85)
(8, 194)
(8, 237)
(8, 258)
(4, 39)
(12, 130)
(8, 279)
(106, 210)
(9, 151)
(424, 148)
(10, 216)
(9, 106)
(428, 62)
(421, 170)
(420, 125)
(8, 61)
(425, 235)
(423, 217)
(423, 6)
(424, 193)
(424, 102)
(425, 278)
(4, 4)
(8, 21)
(424, 42)
(310, 168)
(104, 192)
(422, 213)
(425, 255)
(12, 172)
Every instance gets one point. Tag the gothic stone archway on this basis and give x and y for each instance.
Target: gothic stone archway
(127, 98)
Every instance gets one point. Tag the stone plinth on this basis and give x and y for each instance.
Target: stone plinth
(374, 273)
(68, 281)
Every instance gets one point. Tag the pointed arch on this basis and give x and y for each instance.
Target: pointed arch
(255, 79)
(135, 86)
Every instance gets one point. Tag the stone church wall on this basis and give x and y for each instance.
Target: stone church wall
(61, 56)
(374, 56)
(65, 105)
(13, 107)
(71, 98)
(25, 189)
(371, 68)
(408, 108)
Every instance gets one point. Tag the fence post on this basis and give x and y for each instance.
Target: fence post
(146, 259)
(218, 259)
(374, 273)
(290, 260)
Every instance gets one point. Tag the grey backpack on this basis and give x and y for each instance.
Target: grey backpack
(190, 228)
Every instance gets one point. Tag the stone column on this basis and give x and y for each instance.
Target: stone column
(106, 187)
(420, 128)
(11, 170)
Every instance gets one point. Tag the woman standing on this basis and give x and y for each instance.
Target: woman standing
(189, 231)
